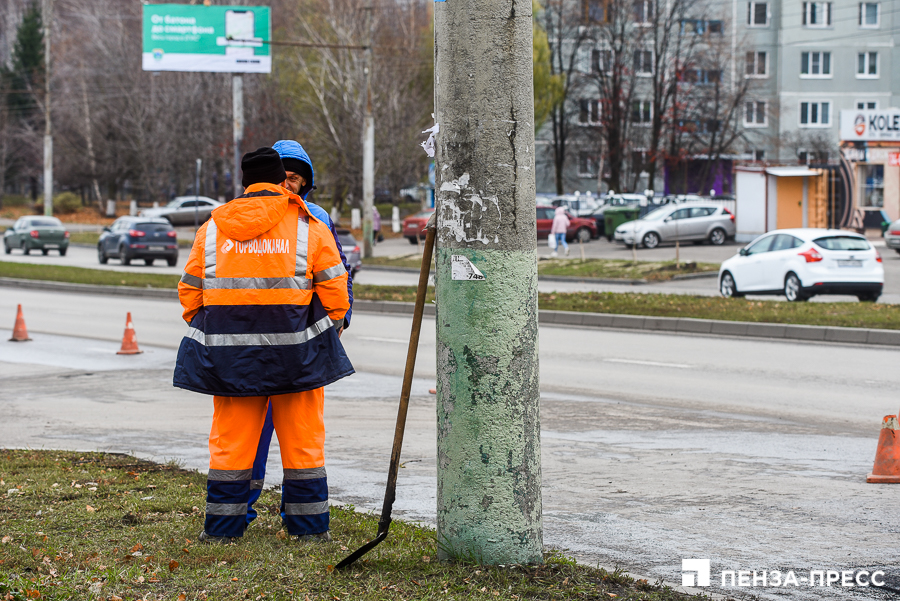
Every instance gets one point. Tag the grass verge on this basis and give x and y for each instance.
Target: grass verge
(82, 275)
(851, 315)
(654, 271)
(109, 526)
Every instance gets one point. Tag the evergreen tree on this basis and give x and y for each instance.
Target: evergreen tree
(26, 77)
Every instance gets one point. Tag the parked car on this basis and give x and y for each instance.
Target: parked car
(801, 263)
(37, 233)
(180, 211)
(580, 205)
(697, 222)
(144, 238)
(892, 236)
(580, 228)
(414, 226)
(351, 250)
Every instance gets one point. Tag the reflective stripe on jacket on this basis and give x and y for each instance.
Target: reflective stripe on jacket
(263, 289)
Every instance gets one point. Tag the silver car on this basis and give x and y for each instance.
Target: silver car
(695, 221)
(892, 236)
(182, 209)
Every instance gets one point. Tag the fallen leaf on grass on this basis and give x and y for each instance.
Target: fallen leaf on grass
(426, 558)
(281, 535)
(329, 569)
(182, 597)
(137, 547)
(173, 565)
(186, 551)
(5, 539)
(90, 509)
(234, 579)
(115, 598)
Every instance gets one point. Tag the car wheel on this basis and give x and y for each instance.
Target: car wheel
(63, 251)
(717, 236)
(793, 289)
(45, 251)
(412, 239)
(651, 240)
(25, 248)
(101, 256)
(172, 262)
(868, 297)
(148, 262)
(898, 250)
(727, 287)
(583, 235)
(8, 250)
(123, 256)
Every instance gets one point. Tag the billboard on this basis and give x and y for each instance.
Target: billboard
(217, 39)
(870, 126)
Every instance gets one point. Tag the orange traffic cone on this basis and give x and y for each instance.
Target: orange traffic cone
(20, 332)
(129, 340)
(887, 457)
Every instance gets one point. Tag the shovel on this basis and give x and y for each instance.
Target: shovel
(389, 493)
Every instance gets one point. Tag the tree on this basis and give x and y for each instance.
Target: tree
(548, 88)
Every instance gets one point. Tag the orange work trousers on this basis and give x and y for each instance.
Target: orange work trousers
(233, 441)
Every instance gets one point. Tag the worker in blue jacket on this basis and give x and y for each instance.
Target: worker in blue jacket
(301, 181)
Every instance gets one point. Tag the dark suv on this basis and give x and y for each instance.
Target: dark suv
(138, 238)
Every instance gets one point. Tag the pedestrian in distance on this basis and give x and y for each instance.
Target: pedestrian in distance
(265, 294)
(299, 179)
(376, 226)
(558, 228)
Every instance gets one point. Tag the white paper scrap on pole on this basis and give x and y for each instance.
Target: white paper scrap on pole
(462, 269)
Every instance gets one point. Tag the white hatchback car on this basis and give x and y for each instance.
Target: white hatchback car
(801, 263)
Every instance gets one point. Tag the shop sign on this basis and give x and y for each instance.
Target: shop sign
(873, 126)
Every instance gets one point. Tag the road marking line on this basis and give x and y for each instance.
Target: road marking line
(375, 339)
(650, 363)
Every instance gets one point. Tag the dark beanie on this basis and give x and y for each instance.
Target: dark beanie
(297, 166)
(263, 165)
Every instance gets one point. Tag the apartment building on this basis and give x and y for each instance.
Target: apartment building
(804, 62)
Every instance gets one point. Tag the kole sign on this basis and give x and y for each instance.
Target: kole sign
(870, 126)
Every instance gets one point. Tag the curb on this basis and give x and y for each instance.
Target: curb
(680, 325)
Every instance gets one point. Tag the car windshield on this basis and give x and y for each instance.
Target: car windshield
(842, 243)
(45, 223)
(152, 228)
(174, 204)
(657, 214)
(423, 214)
(347, 241)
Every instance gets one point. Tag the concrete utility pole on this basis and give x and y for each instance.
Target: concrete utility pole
(237, 104)
(46, 17)
(488, 400)
(368, 150)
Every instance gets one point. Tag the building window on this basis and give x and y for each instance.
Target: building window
(758, 155)
(641, 112)
(758, 14)
(595, 11)
(587, 164)
(643, 62)
(815, 64)
(600, 61)
(871, 181)
(817, 14)
(868, 14)
(867, 65)
(643, 12)
(815, 114)
(757, 64)
(867, 105)
(589, 113)
(639, 161)
(701, 27)
(806, 157)
(700, 76)
(755, 114)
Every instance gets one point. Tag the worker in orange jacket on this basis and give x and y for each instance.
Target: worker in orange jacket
(265, 293)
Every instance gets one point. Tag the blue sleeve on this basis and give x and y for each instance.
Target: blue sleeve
(349, 273)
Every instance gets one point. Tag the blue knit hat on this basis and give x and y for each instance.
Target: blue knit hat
(295, 159)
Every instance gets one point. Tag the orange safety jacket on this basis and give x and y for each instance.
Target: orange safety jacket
(265, 293)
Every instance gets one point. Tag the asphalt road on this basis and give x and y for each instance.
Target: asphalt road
(656, 447)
